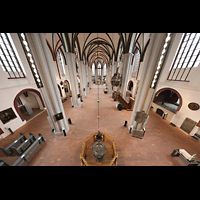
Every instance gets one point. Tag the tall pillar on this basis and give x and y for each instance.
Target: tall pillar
(87, 78)
(96, 73)
(50, 91)
(109, 79)
(145, 92)
(90, 76)
(112, 70)
(101, 75)
(116, 64)
(82, 78)
(73, 80)
(127, 58)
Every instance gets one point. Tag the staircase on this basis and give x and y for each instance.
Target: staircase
(128, 106)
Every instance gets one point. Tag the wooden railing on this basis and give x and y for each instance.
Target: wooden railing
(91, 140)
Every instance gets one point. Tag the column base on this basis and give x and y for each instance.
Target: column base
(138, 134)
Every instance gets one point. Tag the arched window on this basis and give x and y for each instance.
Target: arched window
(99, 69)
(104, 70)
(130, 85)
(93, 69)
(168, 98)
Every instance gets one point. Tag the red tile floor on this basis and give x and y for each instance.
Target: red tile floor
(153, 150)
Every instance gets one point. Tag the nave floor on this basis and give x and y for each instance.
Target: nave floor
(153, 150)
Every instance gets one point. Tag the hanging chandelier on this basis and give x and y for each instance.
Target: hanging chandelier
(94, 147)
(99, 148)
(116, 79)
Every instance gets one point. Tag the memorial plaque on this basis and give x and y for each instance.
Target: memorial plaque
(193, 106)
(58, 116)
(141, 117)
(188, 125)
(138, 134)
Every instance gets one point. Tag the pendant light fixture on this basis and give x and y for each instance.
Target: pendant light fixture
(99, 148)
(116, 79)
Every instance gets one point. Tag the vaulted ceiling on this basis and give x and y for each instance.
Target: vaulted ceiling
(94, 47)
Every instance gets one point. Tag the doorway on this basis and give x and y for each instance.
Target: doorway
(66, 87)
(169, 99)
(28, 104)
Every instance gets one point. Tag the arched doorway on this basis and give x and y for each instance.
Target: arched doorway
(130, 85)
(60, 90)
(168, 98)
(66, 87)
(28, 103)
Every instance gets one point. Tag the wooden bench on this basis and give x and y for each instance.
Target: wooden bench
(3, 163)
(25, 157)
(8, 151)
(192, 162)
(22, 147)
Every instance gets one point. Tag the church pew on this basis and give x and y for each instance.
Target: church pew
(7, 151)
(22, 147)
(25, 157)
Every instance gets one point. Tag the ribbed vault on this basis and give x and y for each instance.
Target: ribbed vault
(93, 47)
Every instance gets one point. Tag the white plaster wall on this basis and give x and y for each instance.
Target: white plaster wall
(9, 88)
(190, 91)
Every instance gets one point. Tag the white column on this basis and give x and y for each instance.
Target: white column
(73, 79)
(87, 78)
(50, 91)
(116, 65)
(90, 76)
(145, 93)
(96, 73)
(107, 77)
(112, 69)
(127, 58)
(82, 78)
(109, 80)
(101, 75)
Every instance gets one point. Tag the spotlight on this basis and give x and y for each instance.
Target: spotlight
(30, 59)
(69, 120)
(23, 36)
(125, 123)
(160, 63)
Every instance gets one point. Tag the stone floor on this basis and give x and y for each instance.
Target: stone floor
(154, 149)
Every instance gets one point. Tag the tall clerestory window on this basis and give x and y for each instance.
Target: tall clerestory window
(93, 69)
(186, 58)
(99, 69)
(9, 58)
(104, 70)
